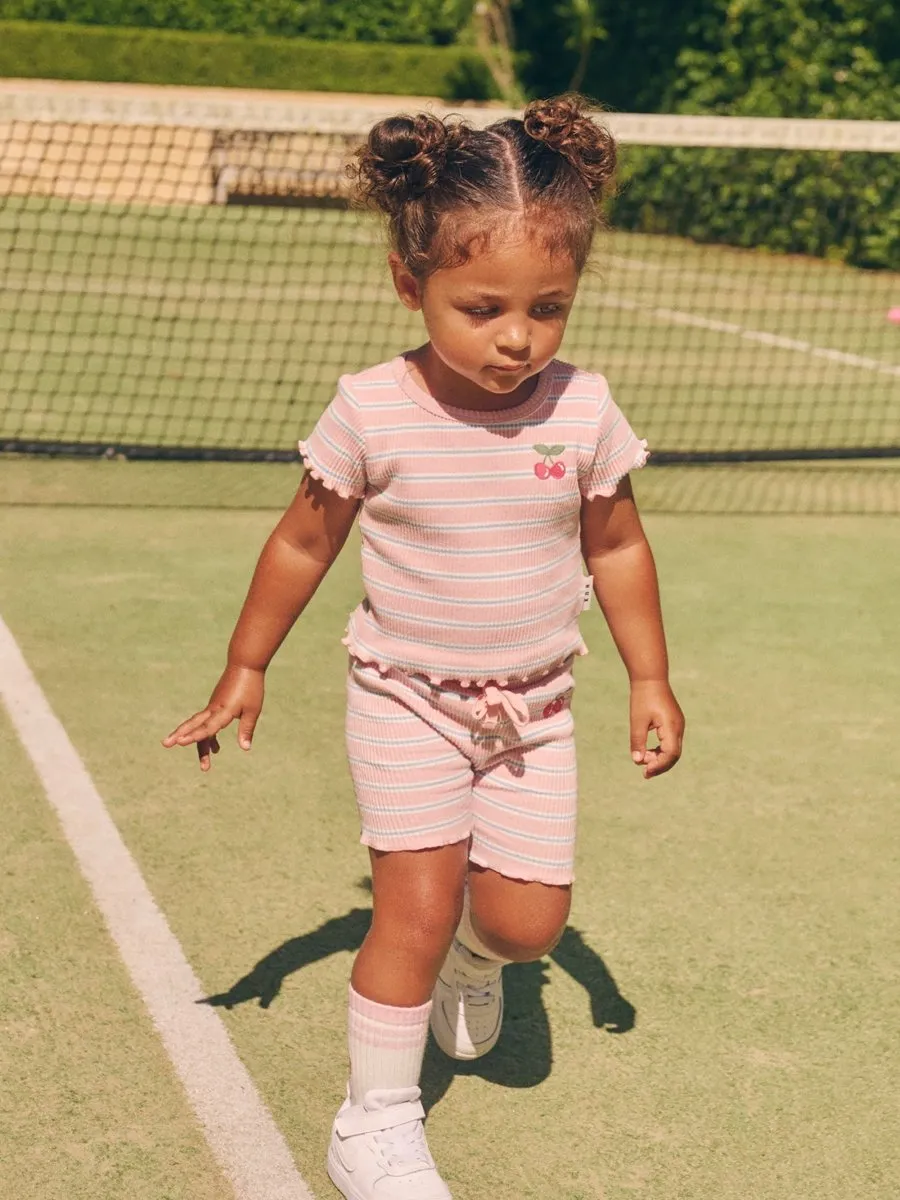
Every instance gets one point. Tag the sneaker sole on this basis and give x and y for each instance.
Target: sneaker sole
(446, 1038)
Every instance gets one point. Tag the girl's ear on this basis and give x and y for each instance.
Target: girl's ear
(405, 282)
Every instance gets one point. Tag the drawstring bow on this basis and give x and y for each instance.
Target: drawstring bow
(494, 703)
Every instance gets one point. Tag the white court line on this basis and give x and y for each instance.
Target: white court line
(676, 317)
(240, 1131)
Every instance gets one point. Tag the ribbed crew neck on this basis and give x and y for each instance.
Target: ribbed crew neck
(472, 416)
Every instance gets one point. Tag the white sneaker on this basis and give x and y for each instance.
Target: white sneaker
(467, 1008)
(378, 1149)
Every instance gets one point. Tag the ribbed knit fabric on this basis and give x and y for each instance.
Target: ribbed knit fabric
(427, 772)
(470, 520)
(387, 1045)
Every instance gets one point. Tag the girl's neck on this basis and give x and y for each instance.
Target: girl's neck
(447, 387)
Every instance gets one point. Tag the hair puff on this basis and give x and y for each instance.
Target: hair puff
(401, 159)
(565, 125)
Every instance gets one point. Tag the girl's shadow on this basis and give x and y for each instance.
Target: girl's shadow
(523, 1058)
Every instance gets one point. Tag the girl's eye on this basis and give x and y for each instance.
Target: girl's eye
(547, 310)
(480, 314)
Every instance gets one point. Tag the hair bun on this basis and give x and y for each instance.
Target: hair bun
(565, 125)
(401, 159)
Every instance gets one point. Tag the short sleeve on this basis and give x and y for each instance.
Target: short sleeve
(335, 451)
(618, 450)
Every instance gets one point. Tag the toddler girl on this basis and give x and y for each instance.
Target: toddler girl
(483, 470)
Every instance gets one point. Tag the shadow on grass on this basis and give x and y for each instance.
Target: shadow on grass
(523, 1058)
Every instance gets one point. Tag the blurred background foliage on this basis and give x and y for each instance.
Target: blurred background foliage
(417, 22)
(829, 58)
(767, 58)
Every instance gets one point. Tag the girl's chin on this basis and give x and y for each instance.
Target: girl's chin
(506, 377)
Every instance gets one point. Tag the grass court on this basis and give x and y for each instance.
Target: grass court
(719, 1020)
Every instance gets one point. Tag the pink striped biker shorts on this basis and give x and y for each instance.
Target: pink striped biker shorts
(433, 765)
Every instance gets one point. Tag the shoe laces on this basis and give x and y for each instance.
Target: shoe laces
(479, 986)
(404, 1148)
(477, 995)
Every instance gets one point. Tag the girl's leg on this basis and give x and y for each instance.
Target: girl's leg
(418, 896)
(417, 903)
(513, 920)
(504, 920)
(378, 1149)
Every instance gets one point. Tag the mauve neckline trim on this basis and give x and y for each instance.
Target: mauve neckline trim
(471, 416)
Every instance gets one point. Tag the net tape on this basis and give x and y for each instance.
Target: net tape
(290, 114)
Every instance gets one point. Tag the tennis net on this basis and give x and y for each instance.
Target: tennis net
(182, 278)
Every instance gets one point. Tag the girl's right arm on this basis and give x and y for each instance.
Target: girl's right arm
(294, 561)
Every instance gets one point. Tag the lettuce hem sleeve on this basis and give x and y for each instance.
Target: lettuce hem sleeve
(325, 478)
(608, 487)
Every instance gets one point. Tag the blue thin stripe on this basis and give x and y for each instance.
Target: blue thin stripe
(400, 810)
(523, 812)
(549, 839)
(444, 623)
(465, 551)
(457, 671)
(411, 833)
(439, 645)
(393, 786)
(511, 854)
(491, 602)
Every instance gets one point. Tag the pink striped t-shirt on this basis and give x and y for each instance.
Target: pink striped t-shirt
(470, 524)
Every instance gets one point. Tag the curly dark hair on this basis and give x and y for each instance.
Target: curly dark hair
(557, 164)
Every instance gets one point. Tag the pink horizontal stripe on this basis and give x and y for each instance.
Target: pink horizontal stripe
(386, 1014)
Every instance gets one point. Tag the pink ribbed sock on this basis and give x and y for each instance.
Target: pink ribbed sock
(387, 1045)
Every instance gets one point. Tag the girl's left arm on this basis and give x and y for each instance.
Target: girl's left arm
(619, 558)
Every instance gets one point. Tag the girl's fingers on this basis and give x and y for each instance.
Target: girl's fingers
(186, 727)
(204, 730)
(658, 762)
(663, 757)
(204, 748)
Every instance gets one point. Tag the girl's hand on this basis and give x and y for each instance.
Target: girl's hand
(238, 696)
(655, 709)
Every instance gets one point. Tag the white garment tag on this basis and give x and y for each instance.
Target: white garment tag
(588, 592)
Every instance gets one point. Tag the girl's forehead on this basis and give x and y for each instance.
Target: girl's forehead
(510, 261)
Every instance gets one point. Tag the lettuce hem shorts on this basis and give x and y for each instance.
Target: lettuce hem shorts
(438, 764)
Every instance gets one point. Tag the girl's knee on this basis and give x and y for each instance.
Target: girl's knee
(522, 921)
(526, 942)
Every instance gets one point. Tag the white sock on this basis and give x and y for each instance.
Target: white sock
(470, 941)
(387, 1045)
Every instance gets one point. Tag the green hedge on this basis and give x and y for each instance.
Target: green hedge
(839, 206)
(35, 50)
(419, 22)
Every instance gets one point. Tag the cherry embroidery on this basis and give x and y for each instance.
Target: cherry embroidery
(554, 707)
(547, 468)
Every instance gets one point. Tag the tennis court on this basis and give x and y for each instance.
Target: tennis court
(720, 1018)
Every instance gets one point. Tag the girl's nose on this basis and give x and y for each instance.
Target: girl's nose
(514, 337)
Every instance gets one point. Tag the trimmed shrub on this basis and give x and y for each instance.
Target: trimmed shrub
(800, 58)
(58, 51)
(418, 22)
(840, 206)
